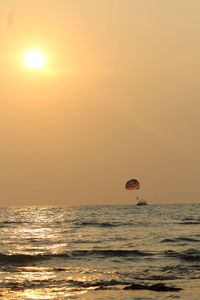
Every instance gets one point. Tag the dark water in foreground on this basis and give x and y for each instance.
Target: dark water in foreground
(93, 252)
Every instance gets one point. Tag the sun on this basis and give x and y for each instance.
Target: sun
(34, 59)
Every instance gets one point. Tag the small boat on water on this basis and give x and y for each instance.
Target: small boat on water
(133, 184)
(141, 202)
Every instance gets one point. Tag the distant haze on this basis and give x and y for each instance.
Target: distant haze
(119, 99)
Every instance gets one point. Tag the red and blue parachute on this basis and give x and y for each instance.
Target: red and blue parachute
(132, 184)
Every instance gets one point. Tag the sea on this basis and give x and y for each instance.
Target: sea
(100, 252)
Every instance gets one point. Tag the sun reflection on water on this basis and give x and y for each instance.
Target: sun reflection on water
(44, 294)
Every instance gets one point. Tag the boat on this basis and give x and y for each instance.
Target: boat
(141, 202)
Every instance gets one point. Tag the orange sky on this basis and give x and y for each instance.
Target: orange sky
(118, 99)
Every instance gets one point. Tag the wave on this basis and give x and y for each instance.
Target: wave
(75, 285)
(96, 284)
(10, 223)
(192, 222)
(26, 258)
(102, 224)
(187, 255)
(189, 221)
(180, 239)
(110, 224)
(97, 224)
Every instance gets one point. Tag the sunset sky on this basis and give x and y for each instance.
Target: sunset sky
(118, 97)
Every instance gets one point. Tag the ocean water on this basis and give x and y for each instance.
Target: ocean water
(94, 252)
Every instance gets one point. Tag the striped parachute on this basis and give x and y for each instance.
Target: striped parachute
(132, 184)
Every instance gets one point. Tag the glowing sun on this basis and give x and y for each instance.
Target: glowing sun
(34, 59)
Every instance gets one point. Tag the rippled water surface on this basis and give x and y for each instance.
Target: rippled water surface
(93, 252)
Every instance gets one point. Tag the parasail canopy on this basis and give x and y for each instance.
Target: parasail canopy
(132, 184)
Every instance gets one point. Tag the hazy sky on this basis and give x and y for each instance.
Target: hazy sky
(119, 98)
